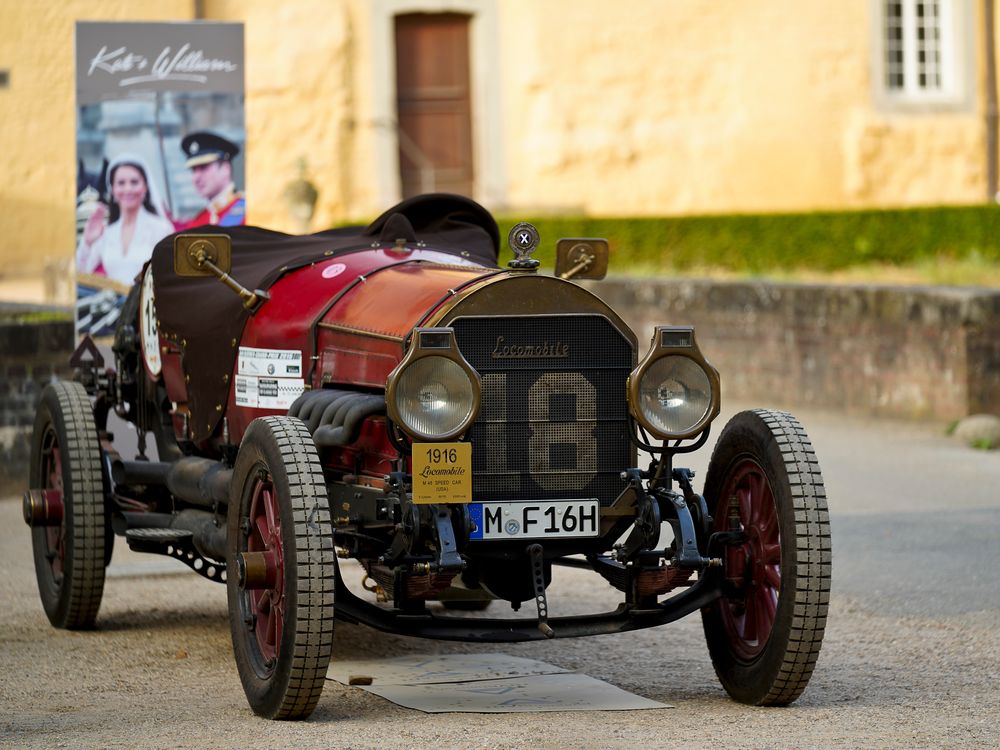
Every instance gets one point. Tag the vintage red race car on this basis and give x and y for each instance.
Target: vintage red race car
(391, 395)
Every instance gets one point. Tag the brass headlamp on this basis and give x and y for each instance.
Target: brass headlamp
(674, 392)
(433, 393)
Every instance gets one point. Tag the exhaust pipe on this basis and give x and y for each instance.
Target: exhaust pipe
(199, 481)
(139, 472)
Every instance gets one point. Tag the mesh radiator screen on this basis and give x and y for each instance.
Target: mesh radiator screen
(553, 422)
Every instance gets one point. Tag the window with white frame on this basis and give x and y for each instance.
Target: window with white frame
(921, 51)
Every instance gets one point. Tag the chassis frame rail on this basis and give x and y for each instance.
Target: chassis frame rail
(626, 617)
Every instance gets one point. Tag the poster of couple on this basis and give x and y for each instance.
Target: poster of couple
(161, 145)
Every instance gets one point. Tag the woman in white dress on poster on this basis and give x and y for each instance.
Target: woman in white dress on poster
(120, 249)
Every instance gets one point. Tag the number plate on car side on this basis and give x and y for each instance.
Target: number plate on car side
(541, 520)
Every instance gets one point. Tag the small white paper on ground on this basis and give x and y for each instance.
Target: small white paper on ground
(486, 683)
(423, 669)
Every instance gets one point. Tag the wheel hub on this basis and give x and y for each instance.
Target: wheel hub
(42, 507)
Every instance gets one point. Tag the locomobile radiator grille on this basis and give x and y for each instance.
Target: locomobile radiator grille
(554, 416)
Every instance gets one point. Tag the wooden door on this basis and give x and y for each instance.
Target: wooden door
(433, 103)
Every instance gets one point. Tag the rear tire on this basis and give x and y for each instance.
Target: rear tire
(765, 633)
(282, 633)
(66, 458)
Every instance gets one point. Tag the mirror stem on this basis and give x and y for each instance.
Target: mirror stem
(251, 300)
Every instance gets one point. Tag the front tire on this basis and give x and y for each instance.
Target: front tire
(66, 461)
(765, 633)
(282, 629)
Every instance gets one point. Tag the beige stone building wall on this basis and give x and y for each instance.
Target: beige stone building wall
(713, 106)
(303, 62)
(578, 105)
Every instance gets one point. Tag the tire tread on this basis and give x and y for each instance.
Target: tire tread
(76, 607)
(315, 566)
(813, 552)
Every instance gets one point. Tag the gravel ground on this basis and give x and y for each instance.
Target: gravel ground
(903, 666)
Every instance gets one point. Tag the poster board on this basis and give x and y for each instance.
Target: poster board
(161, 147)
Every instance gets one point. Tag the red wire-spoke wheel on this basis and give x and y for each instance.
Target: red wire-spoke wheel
(266, 602)
(753, 567)
(70, 538)
(53, 482)
(281, 599)
(766, 492)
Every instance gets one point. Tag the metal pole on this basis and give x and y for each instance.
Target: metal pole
(989, 23)
(163, 156)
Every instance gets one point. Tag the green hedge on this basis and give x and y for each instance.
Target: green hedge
(758, 243)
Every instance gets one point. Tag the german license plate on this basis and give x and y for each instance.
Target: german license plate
(539, 520)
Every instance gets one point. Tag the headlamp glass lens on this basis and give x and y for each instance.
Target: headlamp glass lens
(434, 396)
(675, 394)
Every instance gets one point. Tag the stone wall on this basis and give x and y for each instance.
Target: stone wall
(36, 343)
(889, 351)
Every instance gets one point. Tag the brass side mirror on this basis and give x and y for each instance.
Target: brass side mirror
(581, 258)
(203, 254)
(212, 255)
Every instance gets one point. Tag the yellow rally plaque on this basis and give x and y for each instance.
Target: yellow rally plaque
(442, 472)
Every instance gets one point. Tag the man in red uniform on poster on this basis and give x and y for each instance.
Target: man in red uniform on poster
(210, 159)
